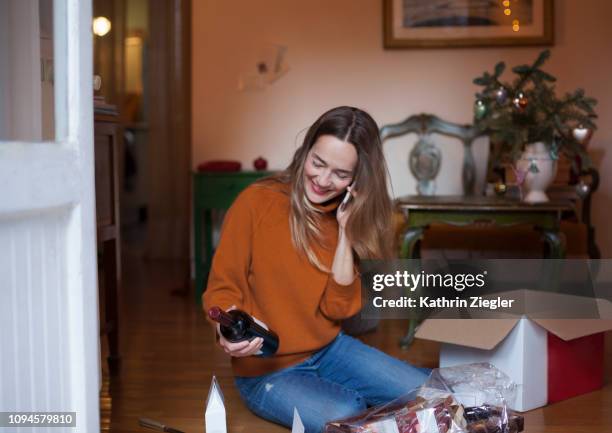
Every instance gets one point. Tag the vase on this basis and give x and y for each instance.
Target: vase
(538, 170)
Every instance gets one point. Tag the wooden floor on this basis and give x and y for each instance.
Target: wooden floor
(169, 359)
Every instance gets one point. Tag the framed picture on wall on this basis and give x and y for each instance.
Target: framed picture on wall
(467, 23)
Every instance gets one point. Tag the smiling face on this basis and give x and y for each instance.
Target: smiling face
(329, 168)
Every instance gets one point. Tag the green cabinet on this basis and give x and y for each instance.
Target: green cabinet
(213, 190)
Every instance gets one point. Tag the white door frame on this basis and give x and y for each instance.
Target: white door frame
(49, 327)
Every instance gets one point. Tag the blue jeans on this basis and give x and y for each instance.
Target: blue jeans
(338, 381)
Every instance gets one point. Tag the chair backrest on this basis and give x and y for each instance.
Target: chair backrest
(425, 158)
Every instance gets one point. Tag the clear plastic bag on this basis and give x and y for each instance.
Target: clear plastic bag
(469, 398)
(473, 384)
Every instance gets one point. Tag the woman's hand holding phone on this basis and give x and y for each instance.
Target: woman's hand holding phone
(344, 208)
(345, 200)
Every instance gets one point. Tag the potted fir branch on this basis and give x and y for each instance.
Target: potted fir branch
(531, 126)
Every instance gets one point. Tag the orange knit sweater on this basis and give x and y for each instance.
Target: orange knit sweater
(257, 268)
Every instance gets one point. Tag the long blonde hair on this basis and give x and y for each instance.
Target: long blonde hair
(369, 226)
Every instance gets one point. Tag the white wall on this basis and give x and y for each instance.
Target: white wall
(336, 58)
(20, 84)
(4, 69)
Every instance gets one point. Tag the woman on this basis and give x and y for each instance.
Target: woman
(288, 255)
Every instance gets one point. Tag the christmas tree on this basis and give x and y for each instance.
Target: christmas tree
(528, 110)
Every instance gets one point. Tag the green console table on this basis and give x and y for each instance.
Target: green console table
(421, 211)
(213, 190)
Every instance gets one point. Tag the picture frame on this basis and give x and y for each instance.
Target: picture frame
(467, 23)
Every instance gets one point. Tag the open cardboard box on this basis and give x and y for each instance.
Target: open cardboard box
(549, 359)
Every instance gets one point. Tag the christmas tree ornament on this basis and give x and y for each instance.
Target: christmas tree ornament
(554, 149)
(500, 188)
(480, 109)
(501, 95)
(583, 189)
(582, 134)
(520, 102)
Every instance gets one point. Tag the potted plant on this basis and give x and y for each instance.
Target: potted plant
(530, 125)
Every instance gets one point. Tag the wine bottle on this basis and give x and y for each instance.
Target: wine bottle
(236, 325)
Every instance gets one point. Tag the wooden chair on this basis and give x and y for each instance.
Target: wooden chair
(425, 157)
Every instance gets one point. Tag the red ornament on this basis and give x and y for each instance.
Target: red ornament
(520, 102)
(260, 164)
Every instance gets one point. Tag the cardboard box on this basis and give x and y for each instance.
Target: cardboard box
(549, 359)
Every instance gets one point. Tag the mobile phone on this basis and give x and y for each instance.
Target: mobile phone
(346, 199)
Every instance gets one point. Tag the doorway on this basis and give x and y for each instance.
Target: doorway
(144, 64)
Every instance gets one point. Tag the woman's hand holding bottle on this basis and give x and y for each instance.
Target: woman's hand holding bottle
(242, 348)
(244, 334)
